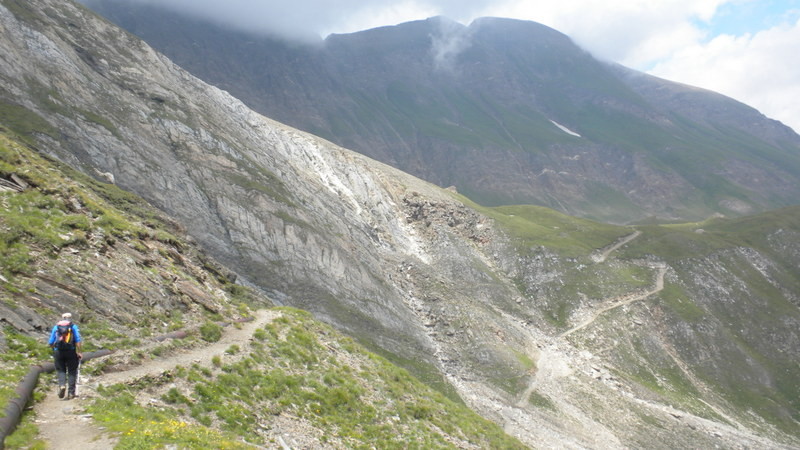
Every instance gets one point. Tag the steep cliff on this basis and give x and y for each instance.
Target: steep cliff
(539, 321)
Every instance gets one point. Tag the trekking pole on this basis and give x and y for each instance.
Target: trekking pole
(78, 376)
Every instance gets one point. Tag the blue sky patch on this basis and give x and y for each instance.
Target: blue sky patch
(750, 16)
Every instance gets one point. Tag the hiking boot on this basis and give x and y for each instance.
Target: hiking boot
(70, 396)
(61, 391)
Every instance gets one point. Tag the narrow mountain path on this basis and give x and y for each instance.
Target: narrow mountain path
(550, 363)
(616, 302)
(604, 252)
(64, 423)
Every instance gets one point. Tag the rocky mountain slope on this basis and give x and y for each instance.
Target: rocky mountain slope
(197, 362)
(508, 112)
(565, 332)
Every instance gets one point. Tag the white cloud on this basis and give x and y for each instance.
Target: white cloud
(630, 32)
(757, 69)
(450, 40)
(303, 18)
(377, 14)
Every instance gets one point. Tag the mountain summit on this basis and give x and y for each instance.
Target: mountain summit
(506, 111)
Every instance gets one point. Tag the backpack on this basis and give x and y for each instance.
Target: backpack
(65, 336)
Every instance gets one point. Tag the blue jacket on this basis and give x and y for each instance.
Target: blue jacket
(54, 335)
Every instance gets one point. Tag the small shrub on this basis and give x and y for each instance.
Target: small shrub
(180, 371)
(14, 256)
(137, 356)
(261, 335)
(173, 396)
(76, 221)
(210, 332)
(540, 401)
(140, 247)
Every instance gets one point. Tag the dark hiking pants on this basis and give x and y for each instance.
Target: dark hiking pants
(66, 362)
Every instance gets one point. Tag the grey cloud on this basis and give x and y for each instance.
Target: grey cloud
(304, 19)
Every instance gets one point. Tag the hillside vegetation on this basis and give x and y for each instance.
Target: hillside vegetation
(62, 232)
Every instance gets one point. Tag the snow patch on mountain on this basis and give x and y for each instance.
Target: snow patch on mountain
(565, 129)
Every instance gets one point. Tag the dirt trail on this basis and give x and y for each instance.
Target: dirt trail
(550, 362)
(553, 364)
(627, 299)
(64, 423)
(603, 253)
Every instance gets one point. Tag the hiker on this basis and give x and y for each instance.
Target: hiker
(65, 340)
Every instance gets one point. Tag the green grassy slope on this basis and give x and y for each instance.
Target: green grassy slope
(733, 308)
(298, 368)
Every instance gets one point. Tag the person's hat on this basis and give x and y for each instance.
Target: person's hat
(66, 316)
